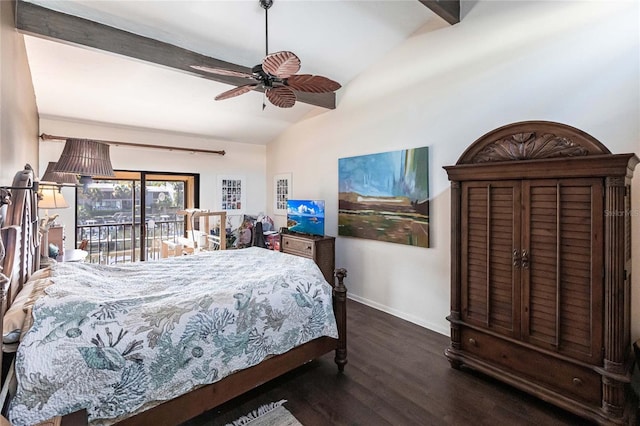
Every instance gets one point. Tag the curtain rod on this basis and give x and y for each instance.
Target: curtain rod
(46, 137)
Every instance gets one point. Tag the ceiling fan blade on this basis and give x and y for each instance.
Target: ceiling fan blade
(281, 64)
(222, 71)
(282, 97)
(312, 83)
(236, 91)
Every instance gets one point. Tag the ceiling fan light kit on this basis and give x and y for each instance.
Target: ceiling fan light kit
(276, 75)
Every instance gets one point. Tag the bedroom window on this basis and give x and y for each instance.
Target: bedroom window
(116, 221)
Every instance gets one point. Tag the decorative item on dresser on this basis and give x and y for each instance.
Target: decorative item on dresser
(321, 249)
(56, 236)
(541, 267)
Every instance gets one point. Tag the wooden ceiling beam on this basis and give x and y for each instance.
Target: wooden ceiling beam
(49, 24)
(449, 10)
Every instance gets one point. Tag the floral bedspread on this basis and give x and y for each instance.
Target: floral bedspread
(117, 340)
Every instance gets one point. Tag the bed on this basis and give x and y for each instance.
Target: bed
(157, 342)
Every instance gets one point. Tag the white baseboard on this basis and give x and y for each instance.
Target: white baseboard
(433, 327)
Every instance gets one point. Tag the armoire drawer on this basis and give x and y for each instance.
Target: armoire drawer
(297, 246)
(553, 373)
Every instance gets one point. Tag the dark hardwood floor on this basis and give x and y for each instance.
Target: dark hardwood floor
(397, 375)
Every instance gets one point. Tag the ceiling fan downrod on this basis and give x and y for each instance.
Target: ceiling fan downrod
(266, 4)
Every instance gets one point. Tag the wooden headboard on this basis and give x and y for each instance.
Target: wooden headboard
(20, 234)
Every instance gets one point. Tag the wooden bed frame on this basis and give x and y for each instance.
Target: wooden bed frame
(21, 240)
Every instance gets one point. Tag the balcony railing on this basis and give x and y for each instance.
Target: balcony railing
(114, 243)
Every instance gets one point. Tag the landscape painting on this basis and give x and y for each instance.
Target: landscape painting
(385, 196)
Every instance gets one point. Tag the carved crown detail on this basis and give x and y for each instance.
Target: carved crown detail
(529, 146)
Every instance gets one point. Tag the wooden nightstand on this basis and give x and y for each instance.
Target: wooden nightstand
(320, 249)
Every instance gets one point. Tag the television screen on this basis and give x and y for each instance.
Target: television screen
(306, 216)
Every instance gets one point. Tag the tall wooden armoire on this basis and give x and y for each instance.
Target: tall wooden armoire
(541, 267)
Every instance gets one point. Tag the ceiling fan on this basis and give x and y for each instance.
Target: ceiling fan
(276, 75)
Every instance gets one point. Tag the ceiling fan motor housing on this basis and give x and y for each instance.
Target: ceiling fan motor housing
(259, 74)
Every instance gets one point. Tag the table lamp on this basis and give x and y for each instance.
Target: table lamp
(50, 199)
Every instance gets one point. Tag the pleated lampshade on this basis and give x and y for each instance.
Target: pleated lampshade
(52, 199)
(85, 157)
(52, 176)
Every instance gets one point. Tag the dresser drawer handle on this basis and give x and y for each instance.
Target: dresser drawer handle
(473, 342)
(577, 381)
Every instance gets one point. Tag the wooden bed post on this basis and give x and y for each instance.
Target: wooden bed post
(340, 310)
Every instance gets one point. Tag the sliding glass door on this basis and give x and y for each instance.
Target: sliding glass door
(117, 221)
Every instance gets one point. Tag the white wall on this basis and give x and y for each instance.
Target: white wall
(246, 160)
(18, 112)
(573, 62)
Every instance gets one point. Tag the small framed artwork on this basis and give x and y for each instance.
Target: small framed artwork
(232, 192)
(281, 192)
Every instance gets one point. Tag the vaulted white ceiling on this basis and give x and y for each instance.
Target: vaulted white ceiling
(337, 39)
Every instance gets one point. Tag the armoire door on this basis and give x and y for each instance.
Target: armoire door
(490, 232)
(562, 269)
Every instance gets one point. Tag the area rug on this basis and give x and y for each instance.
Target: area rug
(273, 414)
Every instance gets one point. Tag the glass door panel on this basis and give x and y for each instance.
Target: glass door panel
(118, 222)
